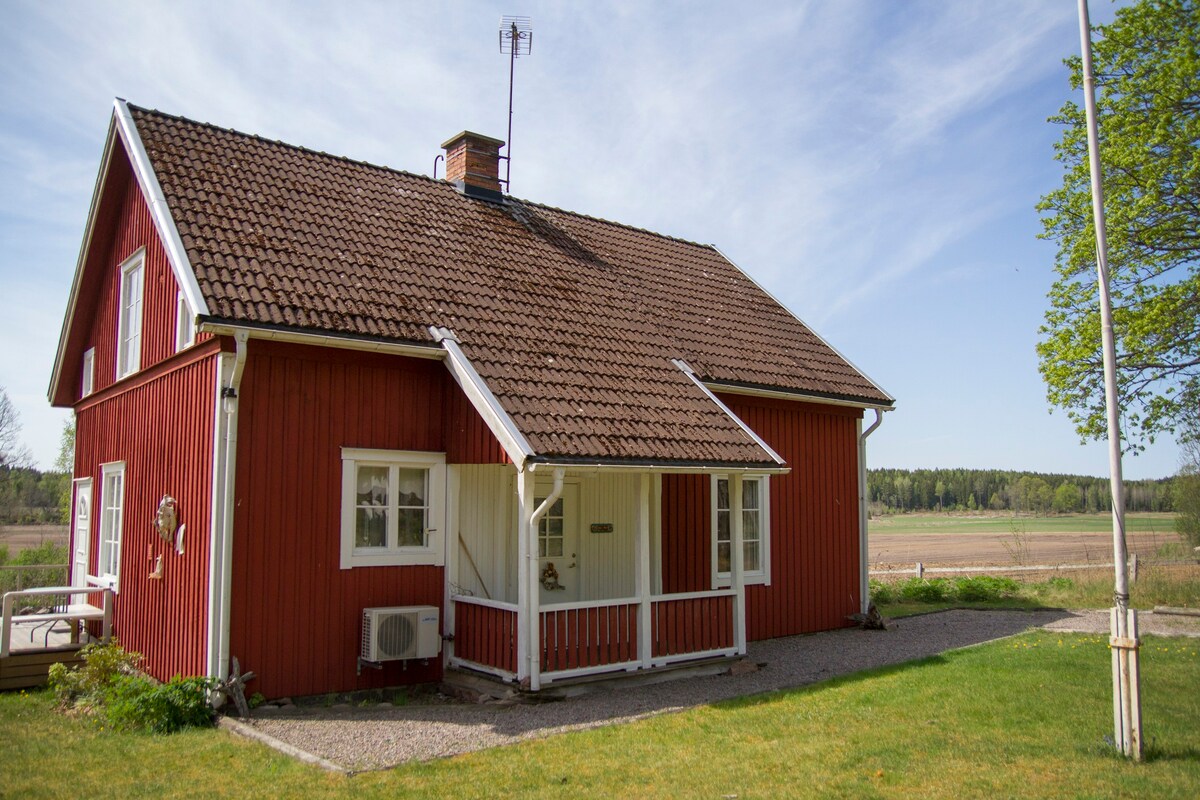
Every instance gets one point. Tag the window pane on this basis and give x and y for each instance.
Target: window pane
(412, 487)
(723, 526)
(372, 486)
(750, 556)
(750, 526)
(556, 510)
(723, 557)
(541, 548)
(722, 493)
(554, 547)
(749, 494)
(412, 527)
(370, 527)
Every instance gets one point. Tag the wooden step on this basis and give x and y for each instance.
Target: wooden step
(31, 668)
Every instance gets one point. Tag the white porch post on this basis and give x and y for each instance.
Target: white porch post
(450, 540)
(533, 624)
(642, 587)
(737, 567)
(524, 510)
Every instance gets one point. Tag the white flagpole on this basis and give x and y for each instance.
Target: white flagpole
(1126, 699)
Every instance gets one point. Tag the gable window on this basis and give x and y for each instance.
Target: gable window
(392, 507)
(112, 499)
(129, 317)
(185, 324)
(87, 382)
(756, 530)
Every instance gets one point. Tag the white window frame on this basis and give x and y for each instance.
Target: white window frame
(185, 324)
(762, 575)
(112, 522)
(129, 359)
(433, 553)
(87, 383)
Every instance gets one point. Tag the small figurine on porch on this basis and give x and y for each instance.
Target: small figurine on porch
(165, 520)
(550, 578)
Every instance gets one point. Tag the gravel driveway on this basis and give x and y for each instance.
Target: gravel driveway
(358, 739)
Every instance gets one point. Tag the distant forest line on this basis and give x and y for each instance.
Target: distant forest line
(1005, 490)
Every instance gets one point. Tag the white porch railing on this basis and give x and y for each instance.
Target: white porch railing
(597, 636)
(73, 612)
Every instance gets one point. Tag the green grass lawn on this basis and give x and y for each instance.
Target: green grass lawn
(1142, 522)
(1024, 717)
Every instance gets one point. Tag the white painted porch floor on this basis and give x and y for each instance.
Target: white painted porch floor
(380, 737)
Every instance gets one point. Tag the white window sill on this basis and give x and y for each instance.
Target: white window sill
(750, 579)
(393, 558)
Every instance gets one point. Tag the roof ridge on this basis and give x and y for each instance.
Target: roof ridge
(288, 145)
(385, 168)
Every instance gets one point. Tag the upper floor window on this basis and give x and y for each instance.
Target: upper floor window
(87, 382)
(185, 324)
(392, 507)
(129, 318)
(756, 530)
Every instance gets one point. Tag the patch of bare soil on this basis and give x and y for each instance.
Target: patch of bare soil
(22, 537)
(902, 550)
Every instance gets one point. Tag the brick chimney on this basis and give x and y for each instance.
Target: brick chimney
(473, 165)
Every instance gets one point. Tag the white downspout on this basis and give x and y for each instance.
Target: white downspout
(533, 653)
(863, 584)
(230, 402)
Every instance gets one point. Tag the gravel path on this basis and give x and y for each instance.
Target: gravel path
(380, 737)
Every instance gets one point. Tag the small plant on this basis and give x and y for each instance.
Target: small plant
(922, 590)
(1017, 545)
(134, 702)
(881, 592)
(102, 664)
(985, 588)
(255, 700)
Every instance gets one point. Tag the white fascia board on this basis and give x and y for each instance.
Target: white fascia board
(810, 328)
(687, 370)
(783, 394)
(89, 230)
(324, 340)
(163, 221)
(585, 468)
(497, 419)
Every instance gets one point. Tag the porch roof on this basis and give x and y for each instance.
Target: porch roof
(572, 322)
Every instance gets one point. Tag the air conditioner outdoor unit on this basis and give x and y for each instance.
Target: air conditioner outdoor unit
(391, 634)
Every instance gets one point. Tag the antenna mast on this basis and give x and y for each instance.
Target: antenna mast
(516, 39)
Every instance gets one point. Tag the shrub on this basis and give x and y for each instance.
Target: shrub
(102, 664)
(881, 592)
(137, 702)
(921, 590)
(983, 588)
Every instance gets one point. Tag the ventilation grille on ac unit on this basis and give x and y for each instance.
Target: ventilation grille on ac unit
(391, 634)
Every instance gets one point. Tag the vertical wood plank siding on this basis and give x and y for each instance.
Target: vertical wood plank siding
(486, 635)
(163, 430)
(814, 520)
(123, 226)
(692, 625)
(296, 615)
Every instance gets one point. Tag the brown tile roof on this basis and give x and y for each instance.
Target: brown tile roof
(572, 321)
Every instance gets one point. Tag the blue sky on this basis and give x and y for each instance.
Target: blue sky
(874, 163)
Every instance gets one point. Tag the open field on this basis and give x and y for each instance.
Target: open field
(1025, 717)
(20, 537)
(1141, 522)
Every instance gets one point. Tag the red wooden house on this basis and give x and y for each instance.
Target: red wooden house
(542, 443)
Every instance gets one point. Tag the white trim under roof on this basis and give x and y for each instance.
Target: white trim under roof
(477, 391)
(163, 221)
(324, 340)
(687, 370)
(584, 467)
(783, 394)
(808, 327)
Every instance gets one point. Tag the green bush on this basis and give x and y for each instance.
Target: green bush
(103, 664)
(133, 702)
(984, 588)
(881, 592)
(922, 590)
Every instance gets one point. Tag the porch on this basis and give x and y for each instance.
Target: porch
(557, 573)
(25, 664)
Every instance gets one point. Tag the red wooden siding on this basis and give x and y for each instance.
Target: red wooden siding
(486, 635)
(162, 428)
(296, 615)
(814, 520)
(691, 625)
(123, 225)
(588, 637)
(468, 439)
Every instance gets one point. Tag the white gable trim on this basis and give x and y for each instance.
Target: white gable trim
(758, 440)
(185, 276)
(476, 389)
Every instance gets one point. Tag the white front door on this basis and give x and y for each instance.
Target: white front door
(81, 531)
(558, 546)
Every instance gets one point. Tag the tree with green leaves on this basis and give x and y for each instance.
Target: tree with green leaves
(1147, 65)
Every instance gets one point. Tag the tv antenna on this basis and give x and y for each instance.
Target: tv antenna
(516, 39)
